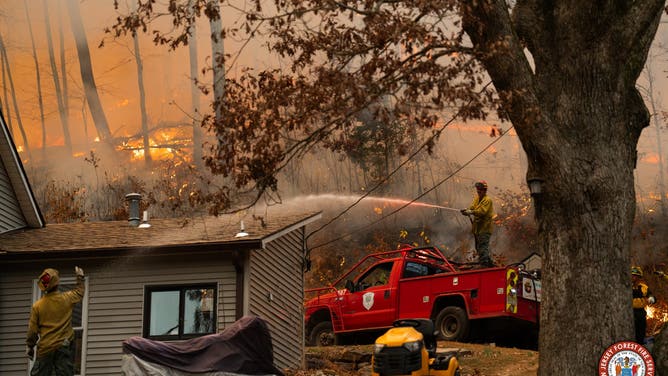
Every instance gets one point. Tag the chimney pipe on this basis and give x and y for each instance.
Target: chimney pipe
(133, 200)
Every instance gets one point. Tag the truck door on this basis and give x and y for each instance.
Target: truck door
(372, 303)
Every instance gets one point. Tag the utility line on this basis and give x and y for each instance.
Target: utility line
(405, 205)
(388, 176)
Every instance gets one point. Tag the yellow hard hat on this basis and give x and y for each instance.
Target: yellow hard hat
(481, 184)
(636, 270)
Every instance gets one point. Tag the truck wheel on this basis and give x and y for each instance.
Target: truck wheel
(452, 324)
(323, 335)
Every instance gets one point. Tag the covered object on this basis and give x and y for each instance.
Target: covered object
(242, 348)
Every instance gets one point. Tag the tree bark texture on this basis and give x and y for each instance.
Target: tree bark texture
(579, 117)
(660, 351)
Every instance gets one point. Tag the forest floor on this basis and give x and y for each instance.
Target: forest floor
(474, 360)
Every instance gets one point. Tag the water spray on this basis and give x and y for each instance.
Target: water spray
(399, 201)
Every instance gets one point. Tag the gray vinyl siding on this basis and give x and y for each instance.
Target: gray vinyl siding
(15, 302)
(277, 271)
(11, 217)
(115, 302)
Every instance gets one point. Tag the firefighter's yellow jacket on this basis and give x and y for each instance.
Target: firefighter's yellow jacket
(640, 294)
(51, 319)
(483, 212)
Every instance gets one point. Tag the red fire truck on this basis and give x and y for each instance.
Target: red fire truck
(413, 283)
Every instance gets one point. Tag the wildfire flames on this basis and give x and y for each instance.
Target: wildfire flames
(657, 316)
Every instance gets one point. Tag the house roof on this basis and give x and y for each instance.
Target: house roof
(115, 236)
(19, 208)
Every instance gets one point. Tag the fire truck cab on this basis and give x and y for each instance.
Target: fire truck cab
(411, 283)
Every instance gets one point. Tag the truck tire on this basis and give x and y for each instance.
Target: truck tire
(452, 324)
(323, 335)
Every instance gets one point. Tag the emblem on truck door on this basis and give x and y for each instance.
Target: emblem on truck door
(367, 300)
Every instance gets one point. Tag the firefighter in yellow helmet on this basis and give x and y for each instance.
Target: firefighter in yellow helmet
(481, 213)
(642, 297)
(51, 324)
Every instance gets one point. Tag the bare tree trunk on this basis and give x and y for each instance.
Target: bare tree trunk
(40, 99)
(56, 80)
(63, 64)
(217, 56)
(5, 60)
(86, 68)
(657, 129)
(195, 95)
(217, 62)
(570, 111)
(142, 98)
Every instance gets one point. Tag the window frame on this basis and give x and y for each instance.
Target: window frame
(181, 288)
(37, 293)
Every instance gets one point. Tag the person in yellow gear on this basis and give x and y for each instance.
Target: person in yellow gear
(481, 213)
(51, 323)
(642, 297)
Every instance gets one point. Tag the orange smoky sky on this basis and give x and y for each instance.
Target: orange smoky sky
(166, 73)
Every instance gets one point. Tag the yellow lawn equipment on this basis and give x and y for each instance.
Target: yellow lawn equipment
(409, 348)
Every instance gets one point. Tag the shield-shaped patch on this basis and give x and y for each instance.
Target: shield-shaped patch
(367, 300)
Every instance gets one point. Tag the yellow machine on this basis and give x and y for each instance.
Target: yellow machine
(409, 348)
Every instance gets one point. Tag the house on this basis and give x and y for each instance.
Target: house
(18, 208)
(175, 279)
(533, 261)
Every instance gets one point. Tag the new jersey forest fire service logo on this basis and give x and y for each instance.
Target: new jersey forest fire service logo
(367, 300)
(626, 359)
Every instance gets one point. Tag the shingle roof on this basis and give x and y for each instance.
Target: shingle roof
(118, 235)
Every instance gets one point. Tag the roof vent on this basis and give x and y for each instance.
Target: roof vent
(144, 221)
(133, 200)
(242, 232)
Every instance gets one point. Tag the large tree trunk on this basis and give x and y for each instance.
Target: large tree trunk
(86, 68)
(578, 105)
(56, 80)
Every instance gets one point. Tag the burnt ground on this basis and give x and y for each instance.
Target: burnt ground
(476, 359)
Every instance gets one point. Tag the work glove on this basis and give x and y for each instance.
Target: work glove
(466, 211)
(30, 352)
(79, 272)
(651, 299)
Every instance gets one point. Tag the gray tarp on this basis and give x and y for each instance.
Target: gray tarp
(243, 348)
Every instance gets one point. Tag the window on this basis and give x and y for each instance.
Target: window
(178, 312)
(79, 320)
(414, 269)
(379, 275)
